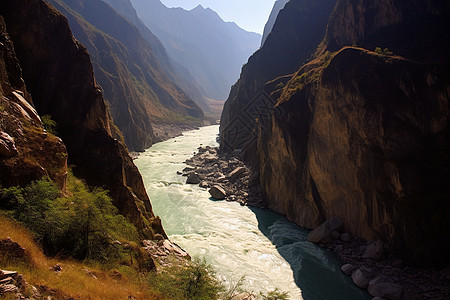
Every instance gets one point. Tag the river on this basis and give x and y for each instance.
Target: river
(237, 241)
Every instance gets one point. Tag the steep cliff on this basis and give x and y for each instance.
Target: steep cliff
(60, 77)
(361, 135)
(27, 151)
(299, 29)
(277, 6)
(136, 87)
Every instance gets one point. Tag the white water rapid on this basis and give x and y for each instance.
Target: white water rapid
(237, 241)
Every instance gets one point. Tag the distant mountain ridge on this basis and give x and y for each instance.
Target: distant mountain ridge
(199, 40)
(137, 87)
(178, 74)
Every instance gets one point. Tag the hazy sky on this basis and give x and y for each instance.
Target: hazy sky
(251, 15)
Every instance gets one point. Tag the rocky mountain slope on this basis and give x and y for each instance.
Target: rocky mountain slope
(59, 74)
(27, 151)
(178, 74)
(136, 87)
(354, 133)
(199, 40)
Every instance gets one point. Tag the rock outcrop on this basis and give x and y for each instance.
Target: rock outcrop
(360, 135)
(27, 151)
(59, 75)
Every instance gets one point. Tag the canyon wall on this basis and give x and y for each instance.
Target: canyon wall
(59, 75)
(358, 134)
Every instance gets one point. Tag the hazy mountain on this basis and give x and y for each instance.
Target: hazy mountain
(277, 6)
(211, 49)
(178, 74)
(139, 91)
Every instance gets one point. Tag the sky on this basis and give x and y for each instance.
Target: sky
(251, 15)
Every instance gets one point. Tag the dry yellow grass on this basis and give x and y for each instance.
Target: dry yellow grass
(73, 281)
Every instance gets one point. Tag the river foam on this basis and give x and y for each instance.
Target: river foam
(237, 241)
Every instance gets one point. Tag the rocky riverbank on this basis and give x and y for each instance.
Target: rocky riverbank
(225, 175)
(370, 264)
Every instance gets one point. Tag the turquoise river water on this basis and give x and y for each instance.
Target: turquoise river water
(237, 241)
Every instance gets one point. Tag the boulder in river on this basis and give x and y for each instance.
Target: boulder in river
(193, 179)
(217, 192)
(348, 269)
(360, 279)
(322, 233)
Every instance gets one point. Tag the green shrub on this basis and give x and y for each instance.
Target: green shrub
(275, 295)
(196, 281)
(83, 225)
(49, 124)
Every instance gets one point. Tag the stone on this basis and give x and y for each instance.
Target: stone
(384, 288)
(244, 296)
(193, 179)
(217, 192)
(188, 169)
(6, 274)
(236, 173)
(7, 145)
(348, 269)
(56, 268)
(12, 250)
(360, 279)
(374, 250)
(322, 233)
(346, 237)
(204, 184)
(158, 237)
(335, 235)
(19, 99)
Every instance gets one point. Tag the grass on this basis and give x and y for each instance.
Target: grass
(73, 281)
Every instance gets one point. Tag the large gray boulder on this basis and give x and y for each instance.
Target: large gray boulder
(322, 233)
(384, 288)
(217, 192)
(360, 279)
(348, 269)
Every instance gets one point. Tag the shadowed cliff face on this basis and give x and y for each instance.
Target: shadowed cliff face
(414, 29)
(135, 85)
(299, 29)
(362, 144)
(27, 152)
(59, 75)
(278, 5)
(359, 135)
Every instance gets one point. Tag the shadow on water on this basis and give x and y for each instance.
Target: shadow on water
(316, 271)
